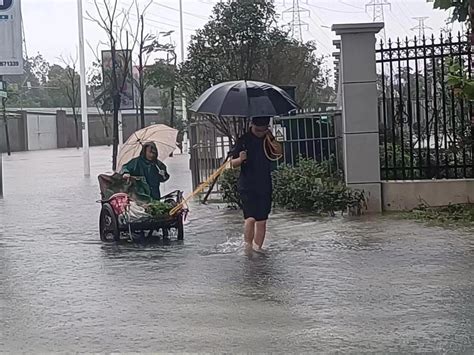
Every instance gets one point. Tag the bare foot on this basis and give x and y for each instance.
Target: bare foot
(248, 249)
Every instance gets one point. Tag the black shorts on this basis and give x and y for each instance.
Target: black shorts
(257, 206)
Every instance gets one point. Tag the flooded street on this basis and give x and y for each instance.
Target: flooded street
(327, 285)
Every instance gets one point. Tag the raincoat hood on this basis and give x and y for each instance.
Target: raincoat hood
(143, 152)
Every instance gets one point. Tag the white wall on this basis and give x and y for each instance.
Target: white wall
(407, 195)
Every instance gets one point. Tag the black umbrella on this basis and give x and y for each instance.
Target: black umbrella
(244, 99)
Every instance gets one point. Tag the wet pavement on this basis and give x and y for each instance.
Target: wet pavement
(326, 285)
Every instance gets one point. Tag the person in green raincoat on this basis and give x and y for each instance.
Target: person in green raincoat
(148, 166)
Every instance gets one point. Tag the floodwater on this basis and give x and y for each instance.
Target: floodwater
(326, 285)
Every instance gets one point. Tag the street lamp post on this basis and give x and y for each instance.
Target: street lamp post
(181, 30)
(82, 64)
(170, 51)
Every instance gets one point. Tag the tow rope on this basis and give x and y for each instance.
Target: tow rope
(273, 151)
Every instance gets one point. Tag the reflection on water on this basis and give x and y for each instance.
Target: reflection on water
(348, 285)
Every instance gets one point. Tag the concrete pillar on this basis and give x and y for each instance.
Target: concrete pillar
(337, 73)
(359, 109)
(61, 129)
(23, 129)
(1, 175)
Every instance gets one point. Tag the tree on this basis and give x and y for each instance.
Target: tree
(146, 46)
(163, 75)
(68, 81)
(121, 43)
(242, 41)
(463, 11)
(100, 95)
(29, 89)
(37, 69)
(460, 8)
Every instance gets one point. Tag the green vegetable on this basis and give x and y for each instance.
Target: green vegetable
(158, 209)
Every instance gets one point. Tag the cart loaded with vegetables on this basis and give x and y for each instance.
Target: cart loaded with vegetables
(128, 211)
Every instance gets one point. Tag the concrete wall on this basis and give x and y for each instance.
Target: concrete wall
(64, 130)
(97, 136)
(407, 195)
(17, 133)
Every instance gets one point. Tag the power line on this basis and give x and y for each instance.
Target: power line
(378, 15)
(319, 42)
(296, 24)
(378, 7)
(399, 22)
(315, 38)
(161, 17)
(421, 27)
(322, 30)
(177, 10)
(401, 6)
(347, 4)
(155, 19)
(332, 10)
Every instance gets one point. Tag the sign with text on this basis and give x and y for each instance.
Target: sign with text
(11, 39)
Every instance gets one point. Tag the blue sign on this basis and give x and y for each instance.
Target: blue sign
(5, 4)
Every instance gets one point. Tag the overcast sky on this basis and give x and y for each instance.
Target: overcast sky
(51, 25)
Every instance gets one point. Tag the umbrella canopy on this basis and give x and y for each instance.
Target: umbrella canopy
(244, 99)
(163, 136)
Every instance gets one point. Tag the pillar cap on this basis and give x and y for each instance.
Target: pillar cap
(369, 27)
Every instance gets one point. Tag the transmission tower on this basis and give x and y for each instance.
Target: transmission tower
(378, 14)
(296, 25)
(421, 27)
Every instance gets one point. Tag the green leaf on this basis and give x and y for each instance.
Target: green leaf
(443, 4)
(454, 81)
(469, 90)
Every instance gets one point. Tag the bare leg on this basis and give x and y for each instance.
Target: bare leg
(249, 231)
(260, 232)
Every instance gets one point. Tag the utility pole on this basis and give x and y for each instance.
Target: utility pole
(142, 73)
(5, 122)
(171, 59)
(296, 25)
(3, 100)
(378, 13)
(181, 33)
(82, 70)
(421, 27)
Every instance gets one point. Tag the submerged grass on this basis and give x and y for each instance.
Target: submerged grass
(459, 214)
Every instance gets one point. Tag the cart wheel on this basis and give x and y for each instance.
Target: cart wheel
(180, 228)
(108, 224)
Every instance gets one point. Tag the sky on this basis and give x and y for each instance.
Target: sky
(51, 25)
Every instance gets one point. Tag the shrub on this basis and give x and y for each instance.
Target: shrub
(309, 186)
(228, 187)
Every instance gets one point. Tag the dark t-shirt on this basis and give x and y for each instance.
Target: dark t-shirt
(255, 173)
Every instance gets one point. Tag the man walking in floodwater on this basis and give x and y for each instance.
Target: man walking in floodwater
(255, 182)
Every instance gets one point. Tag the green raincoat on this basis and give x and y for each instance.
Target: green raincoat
(154, 172)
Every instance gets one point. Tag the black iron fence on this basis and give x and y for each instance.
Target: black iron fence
(309, 135)
(426, 130)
